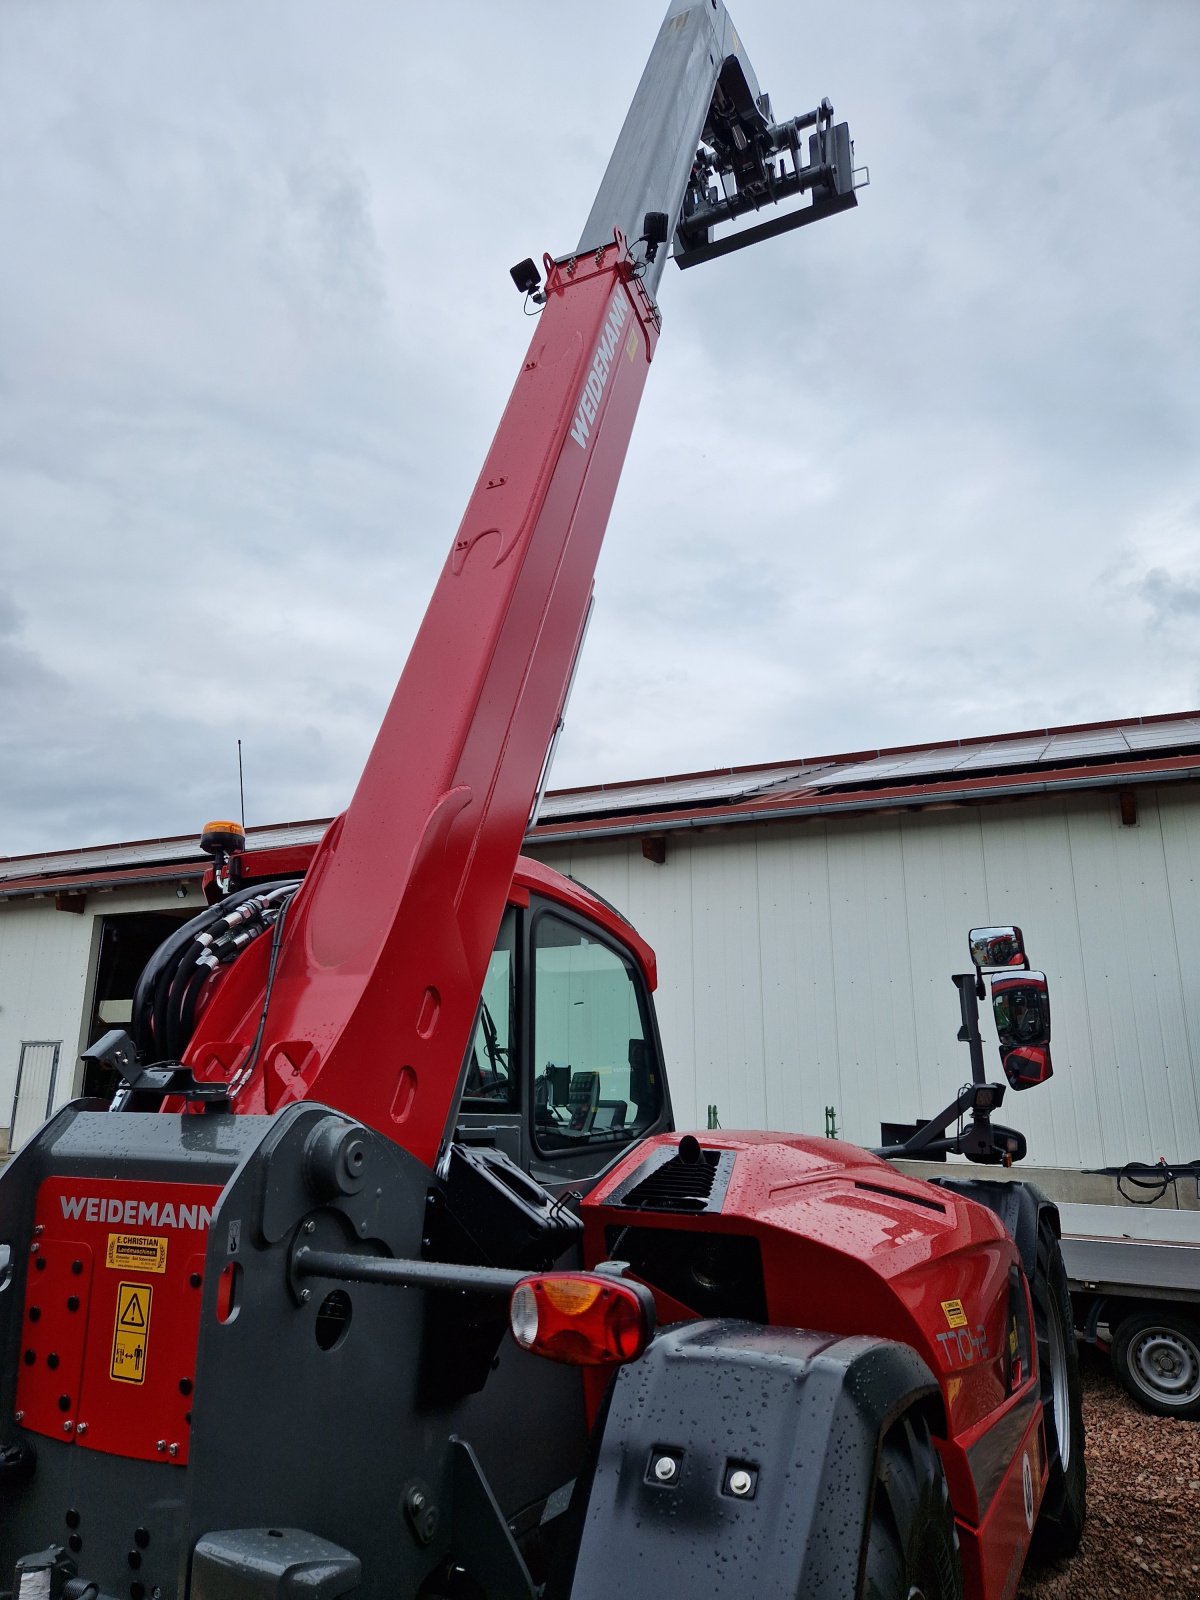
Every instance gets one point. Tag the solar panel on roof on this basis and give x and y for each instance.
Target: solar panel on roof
(98, 858)
(1000, 755)
(1068, 746)
(898, 768)
(709, 789)
(1005, 753)
(894, 770)
(150, 852)
(1164, 735)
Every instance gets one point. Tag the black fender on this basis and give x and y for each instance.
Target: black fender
(793, 1419)
(1020, 1206)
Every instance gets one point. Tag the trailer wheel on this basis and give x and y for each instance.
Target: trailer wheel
(912, 1548)
(1060, 1520)
(1156, 1355)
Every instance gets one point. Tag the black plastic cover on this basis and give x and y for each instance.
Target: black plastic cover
(272, 1564)
(494, 1214)
(794, 1419)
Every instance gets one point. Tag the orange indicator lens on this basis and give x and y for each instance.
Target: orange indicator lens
(585, 1319)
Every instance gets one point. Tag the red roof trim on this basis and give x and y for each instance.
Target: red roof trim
(104, 878)
(260, 836)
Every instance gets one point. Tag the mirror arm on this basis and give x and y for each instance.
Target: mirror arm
(934, 1147)
(930, 1137)
(980, 1140)
(970, 992)
(975, 1141)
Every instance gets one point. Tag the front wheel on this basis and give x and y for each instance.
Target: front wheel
(1060, 1521)
(912, 1549)
(1156, 1355)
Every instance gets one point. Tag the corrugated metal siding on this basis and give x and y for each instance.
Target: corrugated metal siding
(808, 965)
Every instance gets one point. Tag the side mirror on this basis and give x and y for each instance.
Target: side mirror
(1021, 1007)
(1028, 1066)
(997, 947)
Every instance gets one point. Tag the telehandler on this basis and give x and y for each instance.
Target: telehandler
(386, 1272)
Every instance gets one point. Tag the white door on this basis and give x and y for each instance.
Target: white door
(34, 1098)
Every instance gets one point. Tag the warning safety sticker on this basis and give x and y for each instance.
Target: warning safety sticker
(131, 1333)
(955, 1316)
(136, 1252)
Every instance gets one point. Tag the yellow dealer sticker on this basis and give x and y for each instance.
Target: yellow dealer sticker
(955, 1316)
(131, 1333)
(136, 1252)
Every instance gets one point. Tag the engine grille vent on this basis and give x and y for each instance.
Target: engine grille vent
(668, 1183)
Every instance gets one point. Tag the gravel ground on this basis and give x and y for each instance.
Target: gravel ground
(1142, 1538)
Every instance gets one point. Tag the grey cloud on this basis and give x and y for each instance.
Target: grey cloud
(24, 677)
(1172, 597)
(256, 331)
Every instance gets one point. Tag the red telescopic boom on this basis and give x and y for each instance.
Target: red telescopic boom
(367, 999)
(385, 947)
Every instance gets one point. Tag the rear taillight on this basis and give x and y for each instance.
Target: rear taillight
(584, 1318)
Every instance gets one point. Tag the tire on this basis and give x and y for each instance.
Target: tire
(1060, 1521)
(1156, 1355)
(912, 1547)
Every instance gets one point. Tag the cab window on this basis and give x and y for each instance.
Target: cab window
(492, 1076)
(595, 1075)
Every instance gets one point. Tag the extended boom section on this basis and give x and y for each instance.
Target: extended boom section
(699, 146)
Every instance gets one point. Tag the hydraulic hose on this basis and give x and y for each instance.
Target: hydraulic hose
(184, 1020)
(142, 1016)
(186, 978)
(168, 989)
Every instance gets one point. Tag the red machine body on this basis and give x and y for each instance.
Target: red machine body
(112, 1311)
(849, 1244)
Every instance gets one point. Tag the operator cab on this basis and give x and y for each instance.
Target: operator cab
(564, 1069)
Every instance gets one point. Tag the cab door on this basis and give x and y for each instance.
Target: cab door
(564, 1070)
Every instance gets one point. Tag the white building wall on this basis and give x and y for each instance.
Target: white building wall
(47, 972)
(807, 964)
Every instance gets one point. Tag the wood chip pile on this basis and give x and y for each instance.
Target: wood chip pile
(1142, 1540)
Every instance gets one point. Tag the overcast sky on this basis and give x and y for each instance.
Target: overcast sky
(928, 470)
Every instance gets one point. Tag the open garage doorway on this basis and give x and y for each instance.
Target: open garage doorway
(127, 941)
